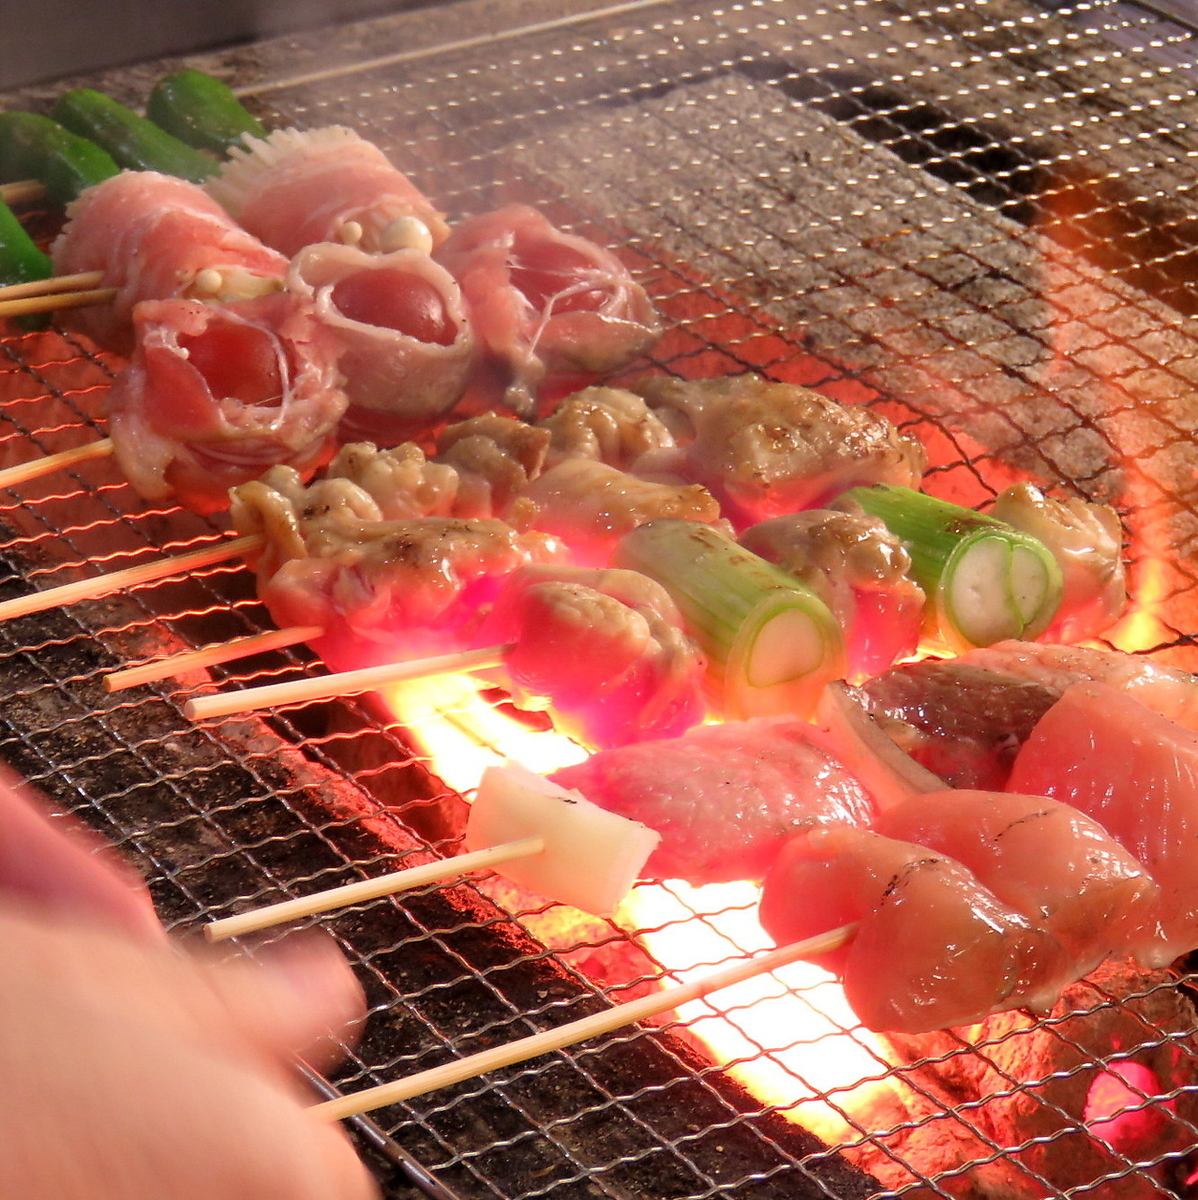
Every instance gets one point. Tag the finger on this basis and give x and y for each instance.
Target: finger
(51, 865)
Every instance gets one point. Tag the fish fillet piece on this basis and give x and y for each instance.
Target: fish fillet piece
(1047, 860)
(295, 188)
(933, 948)
(398, 320)
(215, 395)
(1136, 774)
(547, 306)
(725, 798)
(152, 235)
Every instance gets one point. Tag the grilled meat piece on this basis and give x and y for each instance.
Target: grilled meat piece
(609, 424)
(496, 458)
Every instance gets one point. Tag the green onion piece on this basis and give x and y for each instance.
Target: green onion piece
(35, 147)
(132, 140)
(202, 111)
(771, 643)
(985, 580)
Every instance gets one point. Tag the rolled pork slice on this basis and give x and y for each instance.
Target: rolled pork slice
(155, 237)
(604, 650)
(767, 449)
(1136, 774)
(725, 798)
(215, 395)
(295, 188)
(546, 306)
(1047, 860)
(933, 948)
(406, 348)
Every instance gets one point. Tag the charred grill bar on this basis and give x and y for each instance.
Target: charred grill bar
(979, 219)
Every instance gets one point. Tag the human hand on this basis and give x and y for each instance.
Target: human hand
(133, 1072)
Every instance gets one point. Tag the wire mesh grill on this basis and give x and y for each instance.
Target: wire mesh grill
(979, 218)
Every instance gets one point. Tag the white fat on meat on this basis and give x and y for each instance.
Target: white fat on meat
(591, 857)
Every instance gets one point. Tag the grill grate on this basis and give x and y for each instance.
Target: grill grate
(979, 218)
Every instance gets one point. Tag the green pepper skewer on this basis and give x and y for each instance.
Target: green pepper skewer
(985, 580)
(202, 111)
(35, 147)
(20, 260)
(132, 141)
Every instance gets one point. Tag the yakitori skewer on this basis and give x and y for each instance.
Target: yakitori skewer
(581, 1030)
(62, 461)
(129, 577)
(22, 191)
(55, 283)
(52, 300)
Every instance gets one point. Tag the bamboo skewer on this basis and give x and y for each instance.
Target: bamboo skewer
(581, 1030)
(371, 889)
(55, 283)
(115, 581)
(340, 683)
(22, 191)
(210, 656)
(48, 303)
(47, 465)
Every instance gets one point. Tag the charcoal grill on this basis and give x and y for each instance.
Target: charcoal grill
(979, 218)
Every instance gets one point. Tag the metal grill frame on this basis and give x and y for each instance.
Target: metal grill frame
(458, 113)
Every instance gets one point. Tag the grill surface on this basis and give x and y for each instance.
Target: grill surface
(980, 218)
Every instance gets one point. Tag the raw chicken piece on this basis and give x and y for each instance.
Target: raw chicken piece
(1087, 542)
(859, 569)
(213, 396)
(1048, 861)
(591, 506)
(604, 648)
(401, 481)
(155, 237)
(495, 457)
(725, 798)
(545, 305)
(398, 319)
(609, 424)
(766, 449)
(963, 722)
(1136, 773)
(294, 189)
(933, 948)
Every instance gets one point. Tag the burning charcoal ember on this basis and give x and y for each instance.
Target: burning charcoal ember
(1087, 542)
(294, 189)
(725, 798)
(1047, 861)
(609, 424)
(545, 305)
(590, 506)
(591, 856)
(1076, 1097)
(496, 458)
(155, 237)
(400, 326)
(767, 449)
(604, 649)
(214, 396)
(860, 570)
(1136, 773)
(933, 947)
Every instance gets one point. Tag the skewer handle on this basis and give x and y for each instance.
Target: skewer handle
(210, 656)
(115, 581)
(340, 683)
(371, 889)
(537, 1044)
(48, 303)
(22, 191)
(62, 461)
(56, 283)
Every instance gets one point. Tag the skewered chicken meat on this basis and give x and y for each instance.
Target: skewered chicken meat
(609, 424)
(496, 457)
(214, 395)
(767, 449)
(1087, 542)
(725, 798)
(859, 569)
(604, 648)
(294, 189)
(405, 345)
(155, 237)
(546, 306)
